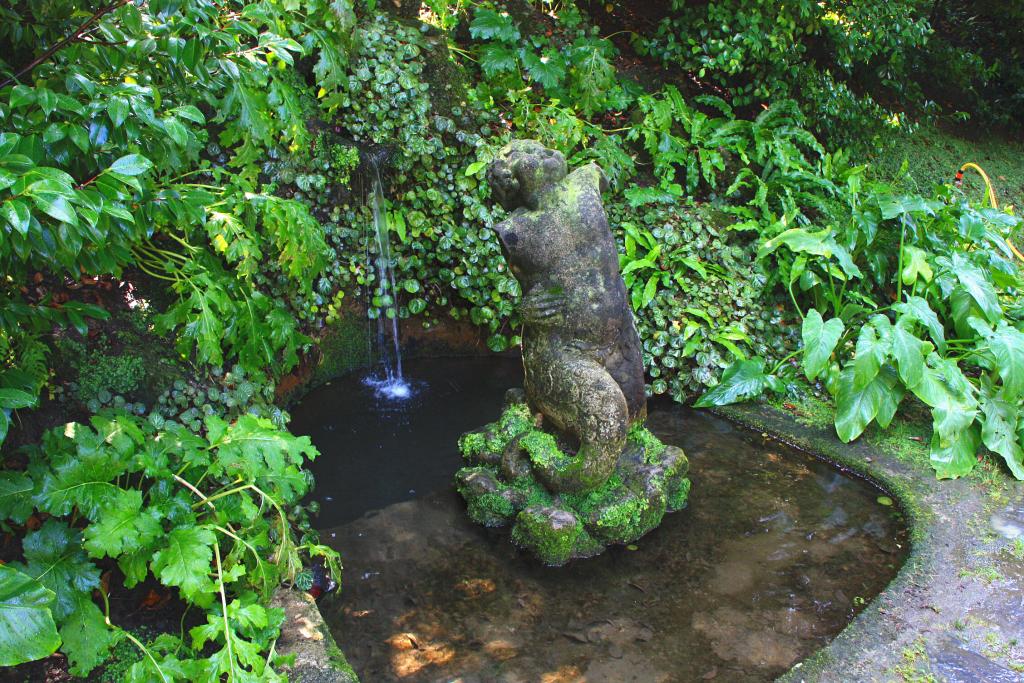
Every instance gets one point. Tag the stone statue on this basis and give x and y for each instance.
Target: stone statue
(581, 351)
(569, 463)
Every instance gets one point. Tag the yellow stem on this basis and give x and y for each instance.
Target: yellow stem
(991, 193)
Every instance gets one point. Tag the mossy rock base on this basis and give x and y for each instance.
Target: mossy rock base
(501, 487)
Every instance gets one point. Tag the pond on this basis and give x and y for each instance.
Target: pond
(774, 555)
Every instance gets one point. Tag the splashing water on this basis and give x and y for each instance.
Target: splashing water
(390, 384)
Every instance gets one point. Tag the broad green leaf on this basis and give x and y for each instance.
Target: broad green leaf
(999, 432)
(16, 398)
(871, 351)
(1007, 345)
(915, 265)
(131, 165)
(27, 629)
(489, 24)
(957, 457)
(741, 381)
(978, 285)
(857, 407)
(17, 215)
(54, 556)
(117, 108)
(258, 451)
(176, 131)
(918, 309)
(820, 339)
(15, 496)
(548, 68)
(650, 290)
(821, 243)
(83, 480)
(121, 527)
(56, 206)
(496, 59)
(87, 638)
(944, 388)
(185, 562)
(893, 206)
(909, 352)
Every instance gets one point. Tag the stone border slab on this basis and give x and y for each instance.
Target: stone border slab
(305, 635)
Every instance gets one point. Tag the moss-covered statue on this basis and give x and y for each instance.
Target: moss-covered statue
(569, 464)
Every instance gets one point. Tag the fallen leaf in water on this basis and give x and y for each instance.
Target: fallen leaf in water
(710, 674)
(575, 635)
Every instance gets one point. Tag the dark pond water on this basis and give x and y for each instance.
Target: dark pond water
(774, 555)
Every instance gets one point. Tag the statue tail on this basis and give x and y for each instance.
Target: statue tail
(591, 406)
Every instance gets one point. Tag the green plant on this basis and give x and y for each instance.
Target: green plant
(27, 629)
(101, 166)
(825, 53)
(930, 310)
(205, 515)
(576, 67)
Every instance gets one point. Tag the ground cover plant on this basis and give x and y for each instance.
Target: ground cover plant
(183, 211)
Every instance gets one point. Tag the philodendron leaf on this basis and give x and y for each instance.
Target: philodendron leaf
(871, 351)
(956, 457)
(27, 629)
(918, 309)
(856, 407)
(978, 285)
(820, 339)
(950, 395)
(741, 381)
(999, 431)
(821, 243)
(909, 352)
(1007, 345)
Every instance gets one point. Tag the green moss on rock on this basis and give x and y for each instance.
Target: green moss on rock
(544, 451)
(560, 527)
(472, 443)
(549, 533)
(491, 509)
(677, 496)
(645, 438)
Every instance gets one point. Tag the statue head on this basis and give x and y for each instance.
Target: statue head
(523, 171)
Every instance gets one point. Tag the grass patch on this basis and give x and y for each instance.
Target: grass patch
(933, 156)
